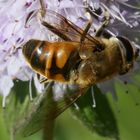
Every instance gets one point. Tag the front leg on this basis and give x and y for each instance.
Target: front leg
(88, 25)
(97, 14)
(103, 25)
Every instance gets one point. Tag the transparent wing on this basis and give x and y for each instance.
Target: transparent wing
(64, 28)
(47, 109)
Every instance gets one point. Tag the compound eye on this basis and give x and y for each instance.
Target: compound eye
(128, 48)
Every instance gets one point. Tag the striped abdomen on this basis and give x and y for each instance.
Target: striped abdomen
(53, 60)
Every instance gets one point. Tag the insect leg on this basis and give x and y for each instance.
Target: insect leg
(42, 9)
(93, 97)
(89, 23)
(43, 81)
(104, 24)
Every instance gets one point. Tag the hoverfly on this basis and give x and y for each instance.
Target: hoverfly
(73, 61)
(79, 59)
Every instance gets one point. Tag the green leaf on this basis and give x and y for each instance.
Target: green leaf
(99, 119)
(17, 103)
(28, 117)
(20, 111)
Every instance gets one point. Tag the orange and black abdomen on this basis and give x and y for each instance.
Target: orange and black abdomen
(32, 51)
(53, 60)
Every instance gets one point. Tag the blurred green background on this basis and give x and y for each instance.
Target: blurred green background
(67, 127)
